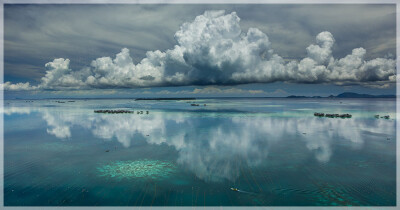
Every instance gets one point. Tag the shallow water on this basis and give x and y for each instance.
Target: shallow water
(273, 150)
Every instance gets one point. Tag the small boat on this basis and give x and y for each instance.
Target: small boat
(234, 189)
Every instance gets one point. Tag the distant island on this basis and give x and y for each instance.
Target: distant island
(158, 99)
(347, 95)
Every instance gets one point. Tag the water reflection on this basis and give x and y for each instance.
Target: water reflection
(211, 146)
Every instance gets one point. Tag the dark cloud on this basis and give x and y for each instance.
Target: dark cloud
(148, 77)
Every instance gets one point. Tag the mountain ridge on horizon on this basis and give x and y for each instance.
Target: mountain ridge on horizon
(346, 95)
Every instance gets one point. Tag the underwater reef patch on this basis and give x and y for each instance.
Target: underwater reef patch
(138, 169)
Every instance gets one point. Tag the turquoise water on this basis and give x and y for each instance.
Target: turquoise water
(273, 150)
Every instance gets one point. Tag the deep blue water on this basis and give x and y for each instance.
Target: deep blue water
(274, 151)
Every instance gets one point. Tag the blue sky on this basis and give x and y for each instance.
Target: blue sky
(198, 50)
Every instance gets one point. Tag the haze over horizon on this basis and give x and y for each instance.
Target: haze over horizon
(198, 50)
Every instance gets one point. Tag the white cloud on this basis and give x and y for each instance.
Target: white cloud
(213, 50)
(17, 86)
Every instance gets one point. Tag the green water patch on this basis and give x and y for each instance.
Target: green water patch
(138, 169)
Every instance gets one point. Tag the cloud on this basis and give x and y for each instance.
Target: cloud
(17, 86)
(140, 28)
(213, 50)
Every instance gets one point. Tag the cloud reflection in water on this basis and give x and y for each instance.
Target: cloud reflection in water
(211, 146)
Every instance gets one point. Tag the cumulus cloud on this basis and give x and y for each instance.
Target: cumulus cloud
(213, 50)
(17, 86)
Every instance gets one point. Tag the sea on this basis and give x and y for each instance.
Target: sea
(200, 152)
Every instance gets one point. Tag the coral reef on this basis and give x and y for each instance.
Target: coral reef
(147, 169)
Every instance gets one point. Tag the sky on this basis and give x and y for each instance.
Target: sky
(268, 50)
